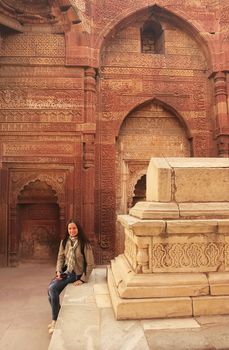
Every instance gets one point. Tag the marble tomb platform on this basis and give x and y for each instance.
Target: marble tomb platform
(176, 257)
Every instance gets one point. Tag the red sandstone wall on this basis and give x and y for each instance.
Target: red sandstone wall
(60, 126)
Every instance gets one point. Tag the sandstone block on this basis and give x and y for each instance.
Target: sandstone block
(142, 227)
(188, 180)
(191, 226)
(155, 210)
(204, 210)
(198, 162)
(210, 305)
(223, 226)
(199, 184)
(219, 283)
(159, 177)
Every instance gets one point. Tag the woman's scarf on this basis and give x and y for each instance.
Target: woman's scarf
(70, 257)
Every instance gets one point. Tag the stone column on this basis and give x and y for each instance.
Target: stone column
(89, 153)
(3, 216)
(222, 117)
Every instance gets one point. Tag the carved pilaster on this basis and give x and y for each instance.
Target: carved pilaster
(89, 87)
(3, 216)
(89, 152)
(223, 145)
(222, 117)
(142, 260)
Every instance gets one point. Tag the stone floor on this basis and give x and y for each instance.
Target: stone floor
(86, 320)
(24, 309)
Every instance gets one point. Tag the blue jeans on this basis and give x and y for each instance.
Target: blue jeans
(55, 288)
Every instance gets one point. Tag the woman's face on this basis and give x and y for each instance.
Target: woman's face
(72, 229)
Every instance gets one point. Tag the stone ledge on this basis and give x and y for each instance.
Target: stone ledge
(191, 226)
(142, 227)
(149, 228)
(78, 322)
(155, 210)
(204, 210)
(173, 210)
(86, 320)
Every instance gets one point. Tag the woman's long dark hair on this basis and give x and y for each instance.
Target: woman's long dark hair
(81, 234)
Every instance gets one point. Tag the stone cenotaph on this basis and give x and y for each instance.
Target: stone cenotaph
(176, 256)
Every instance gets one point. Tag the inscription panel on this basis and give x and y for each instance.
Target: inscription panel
(44, 83)
(43, 116)
(34, 71)
(38, 127)
(38, 149)
(41, 99)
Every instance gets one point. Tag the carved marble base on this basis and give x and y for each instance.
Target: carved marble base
(162, 295)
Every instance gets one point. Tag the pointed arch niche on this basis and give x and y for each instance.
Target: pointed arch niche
(150, 130)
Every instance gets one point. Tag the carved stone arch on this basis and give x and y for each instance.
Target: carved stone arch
(55, 181)
(164, 105)
(175, 16)
(37, 191)
(173, 110)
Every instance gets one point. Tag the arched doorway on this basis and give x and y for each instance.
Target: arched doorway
(38, 222)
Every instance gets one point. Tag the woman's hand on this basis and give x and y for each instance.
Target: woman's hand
(78, 283)
(58, 275)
